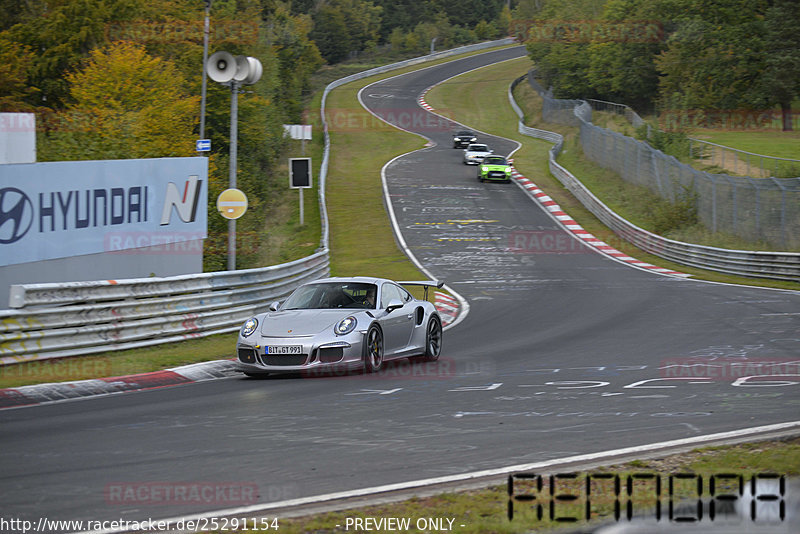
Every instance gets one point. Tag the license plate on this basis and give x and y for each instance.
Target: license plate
(284, 349)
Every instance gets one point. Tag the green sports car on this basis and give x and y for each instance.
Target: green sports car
(495, 169)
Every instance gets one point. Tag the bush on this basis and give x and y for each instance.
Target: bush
(667, 217)
(676, 144)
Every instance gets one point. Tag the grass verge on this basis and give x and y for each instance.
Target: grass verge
(769, 143)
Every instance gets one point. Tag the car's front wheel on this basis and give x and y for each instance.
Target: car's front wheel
(373, 355)
(433, 340)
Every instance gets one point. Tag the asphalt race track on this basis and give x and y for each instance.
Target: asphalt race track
(564, 352)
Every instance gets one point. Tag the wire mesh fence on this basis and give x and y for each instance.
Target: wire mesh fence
(757, 209)
(741, 162)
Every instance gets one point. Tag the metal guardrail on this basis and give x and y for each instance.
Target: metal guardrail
(89, 317)
(68, 319)
(776, 265)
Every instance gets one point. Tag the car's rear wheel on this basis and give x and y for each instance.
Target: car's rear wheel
(433, 340)
(373, 355)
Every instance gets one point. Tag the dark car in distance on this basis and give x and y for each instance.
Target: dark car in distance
(462, 138)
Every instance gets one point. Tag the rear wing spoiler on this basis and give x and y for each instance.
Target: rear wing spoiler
(424, 283)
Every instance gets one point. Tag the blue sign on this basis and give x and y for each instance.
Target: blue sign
(203, 145)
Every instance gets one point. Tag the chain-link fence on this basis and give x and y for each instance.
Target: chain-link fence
(741, 162)
(760, 210)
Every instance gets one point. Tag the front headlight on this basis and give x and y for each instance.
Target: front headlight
(474, 139)
(249, 326)
(345, 326)
(508, 170)
(484, 169)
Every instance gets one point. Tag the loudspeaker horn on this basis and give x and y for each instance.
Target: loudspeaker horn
(242, 68)
(255, 71)
(221, 67)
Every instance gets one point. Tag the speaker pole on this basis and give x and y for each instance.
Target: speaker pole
(232, 171)
(234, 71)
(205, 60)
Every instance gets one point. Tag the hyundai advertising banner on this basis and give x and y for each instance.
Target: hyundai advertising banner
(72, 208)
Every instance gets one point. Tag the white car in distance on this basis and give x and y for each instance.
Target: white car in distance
(475, 152)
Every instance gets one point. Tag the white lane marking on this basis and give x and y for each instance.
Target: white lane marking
(376, 391)
(489, 387)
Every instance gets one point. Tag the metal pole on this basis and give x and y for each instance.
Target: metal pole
(301, 207)
(303, 151)
(205, 59)
(232, 173)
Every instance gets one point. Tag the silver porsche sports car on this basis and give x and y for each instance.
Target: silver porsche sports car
(341, 322)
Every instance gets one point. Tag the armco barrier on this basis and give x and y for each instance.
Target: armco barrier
(68, 319)
(776, 265)
(88, 317)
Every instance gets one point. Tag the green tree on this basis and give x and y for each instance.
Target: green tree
(397, 39)
(344, 26)
(330, 34)
(622, 68)
(125, 104)
(714, 57)
(298, 58)
(485, 30)
(527, 9)
(62, 33)
(15, 92)
(560, 50)
(782, 70)
(468, 13)
(404, 14)
(504, 21)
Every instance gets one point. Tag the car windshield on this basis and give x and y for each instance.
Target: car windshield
(478, 148)
(494, 160)
(464, 134)
(332, 295)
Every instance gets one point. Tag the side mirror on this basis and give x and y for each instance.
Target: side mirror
(274, 306)
(394, 304)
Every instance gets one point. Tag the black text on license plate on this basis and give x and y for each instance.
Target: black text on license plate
(284, 349)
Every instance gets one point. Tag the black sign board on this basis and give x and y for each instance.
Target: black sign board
(299, 173)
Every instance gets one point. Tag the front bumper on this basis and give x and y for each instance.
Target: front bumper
(251, 356)
(496, 176)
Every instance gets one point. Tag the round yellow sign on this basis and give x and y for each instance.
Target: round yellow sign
(232, 203)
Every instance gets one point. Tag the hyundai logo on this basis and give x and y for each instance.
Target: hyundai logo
(16, 215)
